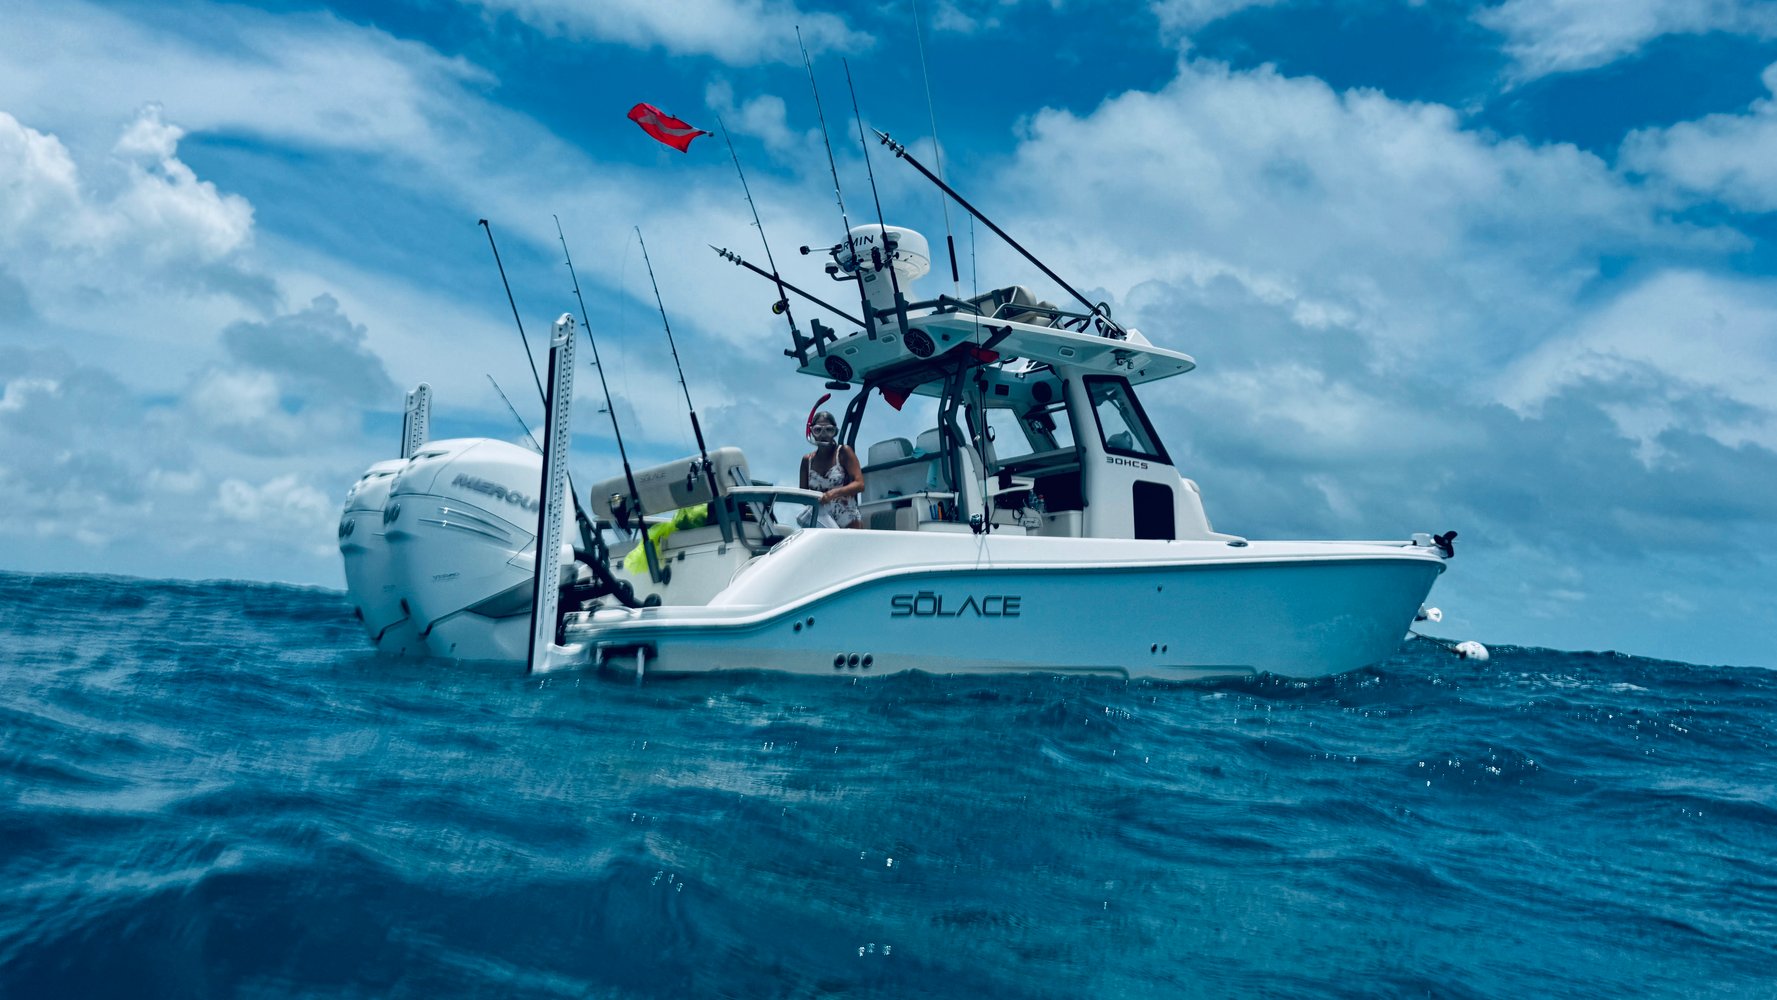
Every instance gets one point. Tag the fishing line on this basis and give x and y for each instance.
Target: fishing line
(510, 409)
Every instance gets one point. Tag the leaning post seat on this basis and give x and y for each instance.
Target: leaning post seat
(1016, 303)
(904, 486)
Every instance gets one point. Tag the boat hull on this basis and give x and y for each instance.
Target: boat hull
(1169, 610)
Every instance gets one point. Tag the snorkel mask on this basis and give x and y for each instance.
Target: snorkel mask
(808, 428)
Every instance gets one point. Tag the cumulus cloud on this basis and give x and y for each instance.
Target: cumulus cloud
(318, 352)
(738, 32)
(1563, 36)
(307, 514)
(763, 117)
(269, 435)
(1703, 346)
(1436, 243)
(145, 215)
(1723, 157)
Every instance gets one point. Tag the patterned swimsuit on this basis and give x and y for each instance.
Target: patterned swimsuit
(843, 511)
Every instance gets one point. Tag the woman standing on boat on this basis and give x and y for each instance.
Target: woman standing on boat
(833, 469)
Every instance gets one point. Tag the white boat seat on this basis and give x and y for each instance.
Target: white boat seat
(893, 473)
(892, 450)
(1015, 303)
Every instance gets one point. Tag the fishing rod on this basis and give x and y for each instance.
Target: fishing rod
(1099, 310)
(514, 304)
(881, 224)
(783, 301)
(833, 167)
(510, 409)
(937, 154)
(703, 454)
(733, 257)
(588, 534)
(629, 477)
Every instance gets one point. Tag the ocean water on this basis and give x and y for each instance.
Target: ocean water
(213, 790)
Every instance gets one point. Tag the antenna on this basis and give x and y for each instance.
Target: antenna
(629, 477)
(863, 300)
(509, 301)
(703, 454)
(881, 225)
(937, 155)
(515, 416)
(1099, 311)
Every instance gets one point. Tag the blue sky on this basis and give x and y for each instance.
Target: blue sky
(1508, 268)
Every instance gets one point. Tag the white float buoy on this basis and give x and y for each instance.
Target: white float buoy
(1429, 615)
(1469, 649)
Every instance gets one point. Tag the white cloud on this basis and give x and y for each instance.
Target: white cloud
(1438, 244)
(144, 217)
(1724, 157)
(738, 32)
(1705, 346)
(1562, 36)
(1186, 16)
(764, 117)
(300, 511)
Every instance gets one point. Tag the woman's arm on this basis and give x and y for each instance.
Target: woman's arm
(854, 471)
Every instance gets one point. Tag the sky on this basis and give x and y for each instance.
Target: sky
(1503, 268)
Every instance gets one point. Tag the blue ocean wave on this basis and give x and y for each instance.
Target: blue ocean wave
(212, 789)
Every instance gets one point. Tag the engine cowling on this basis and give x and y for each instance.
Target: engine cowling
(458, 532)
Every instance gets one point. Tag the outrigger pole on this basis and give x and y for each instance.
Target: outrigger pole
(655, 572)
(703, 466)
(1100, 310)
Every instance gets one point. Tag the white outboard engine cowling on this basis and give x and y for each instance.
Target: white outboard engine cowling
(370, 584)
(459, 527)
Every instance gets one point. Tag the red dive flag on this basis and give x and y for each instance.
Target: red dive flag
(675, 132)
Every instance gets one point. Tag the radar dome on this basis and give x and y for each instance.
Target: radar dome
(906, 251)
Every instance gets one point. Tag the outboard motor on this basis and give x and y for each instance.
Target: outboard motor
(460, 524)
(370, 585)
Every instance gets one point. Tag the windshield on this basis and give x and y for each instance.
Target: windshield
(1122, 426)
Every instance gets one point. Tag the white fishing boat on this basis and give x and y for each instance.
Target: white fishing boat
(1037, 523)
